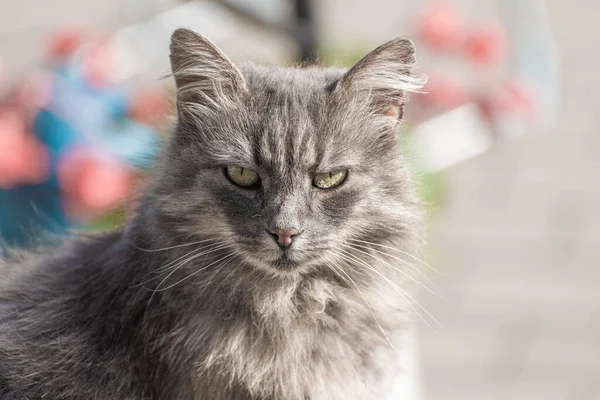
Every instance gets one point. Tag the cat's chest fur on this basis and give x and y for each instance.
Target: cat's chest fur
(321, 343)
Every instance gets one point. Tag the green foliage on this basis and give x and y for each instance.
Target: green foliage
(108, 222)
(429, 183)
(341, 56)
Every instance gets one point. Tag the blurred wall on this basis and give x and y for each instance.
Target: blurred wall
(23, 24)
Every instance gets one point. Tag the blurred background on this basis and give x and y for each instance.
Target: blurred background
(504, 140)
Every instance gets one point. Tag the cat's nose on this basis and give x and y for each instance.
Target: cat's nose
(283, 236)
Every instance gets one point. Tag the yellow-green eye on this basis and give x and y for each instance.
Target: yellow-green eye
(328, 180)
(243, 177)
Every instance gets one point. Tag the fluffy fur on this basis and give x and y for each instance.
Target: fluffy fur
(193, 299)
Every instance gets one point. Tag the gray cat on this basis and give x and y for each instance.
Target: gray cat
(273, 256)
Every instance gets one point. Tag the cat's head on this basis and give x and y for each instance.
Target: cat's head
(288, 167)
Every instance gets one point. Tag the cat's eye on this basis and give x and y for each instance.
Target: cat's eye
(242, 177)
(328, 180)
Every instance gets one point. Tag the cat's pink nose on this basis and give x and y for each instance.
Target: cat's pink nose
(284, 236)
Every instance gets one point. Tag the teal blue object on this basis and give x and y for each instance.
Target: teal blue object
(133, 142)
(28, 213)
(78, 115)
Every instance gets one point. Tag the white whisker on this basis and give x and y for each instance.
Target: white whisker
(402, 293)
(399, 251)
(174, 265)
(218, 269)
(424, 275)
(193, 257)
(229, 255)
(334, 267)
(215, 246)
(405, 296)
(434, 292)
(172, 272)
(233, 270)
(170, 247)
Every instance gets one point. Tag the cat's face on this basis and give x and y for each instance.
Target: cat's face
(287, 166)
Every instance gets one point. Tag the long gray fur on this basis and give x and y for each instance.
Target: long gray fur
(142, 313)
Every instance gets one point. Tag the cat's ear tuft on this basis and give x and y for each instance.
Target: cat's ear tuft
(382, 78)
(205, 78)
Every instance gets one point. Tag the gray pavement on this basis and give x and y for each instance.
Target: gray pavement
(518, 246)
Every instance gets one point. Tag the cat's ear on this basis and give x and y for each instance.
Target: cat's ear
(205, 78)
(382, 78)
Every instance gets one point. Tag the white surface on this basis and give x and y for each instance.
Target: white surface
(451, 138)
(149, 40)
(408, 386)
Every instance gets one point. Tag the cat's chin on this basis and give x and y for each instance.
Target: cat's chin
(284, 263)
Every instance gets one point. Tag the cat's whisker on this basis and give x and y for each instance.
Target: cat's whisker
(434, 292)
(169, 247)
(333, 267)
(368, 246)
(355, 261)
(219, 269)
(190, 256)
(345, 280)
(167, 277)
(399, 251)
(414, 267)
(232, 271)
(194, 256)
(158, 269)
(157, 289)
(402, 293)
(204, 249)
(236, 267)
(215, 246)
(228, 256)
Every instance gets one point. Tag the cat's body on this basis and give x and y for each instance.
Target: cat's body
(194, 299)
(106, 344)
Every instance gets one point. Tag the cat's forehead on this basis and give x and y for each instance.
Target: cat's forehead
(289, 81)
(290, 116)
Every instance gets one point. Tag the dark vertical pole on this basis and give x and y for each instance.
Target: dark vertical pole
(306, 32)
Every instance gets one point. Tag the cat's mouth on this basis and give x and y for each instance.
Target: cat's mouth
(281, 260)
(286, 262)
(266, 256)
